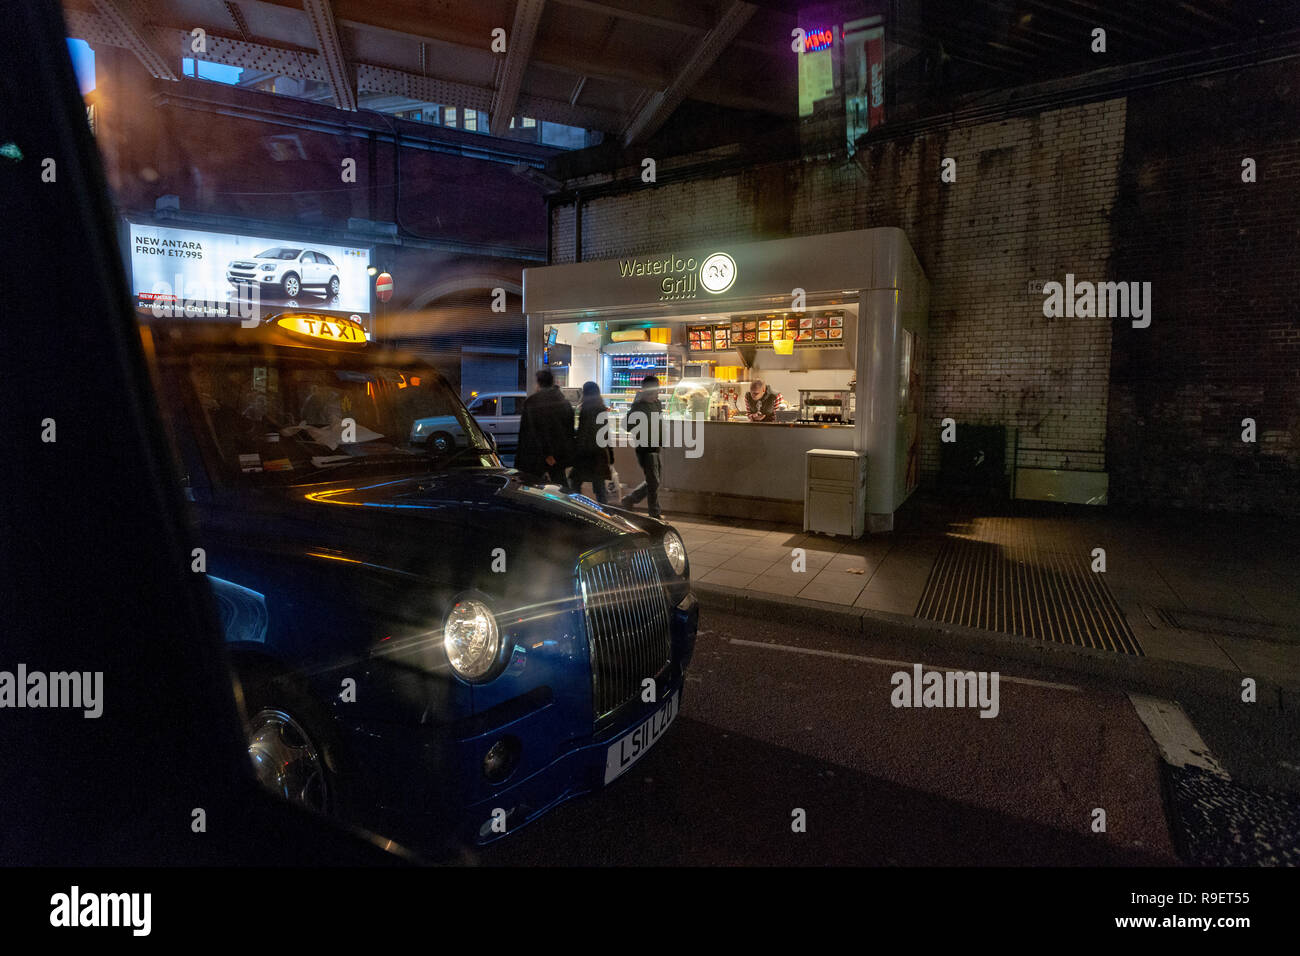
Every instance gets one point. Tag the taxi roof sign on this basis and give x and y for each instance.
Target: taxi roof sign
(322, 329)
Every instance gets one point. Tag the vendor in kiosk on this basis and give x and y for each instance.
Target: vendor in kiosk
(760, 402)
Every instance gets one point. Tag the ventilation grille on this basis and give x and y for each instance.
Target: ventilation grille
(1013, 589)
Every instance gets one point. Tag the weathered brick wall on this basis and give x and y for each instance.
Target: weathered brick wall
(1224, 341)
(1032, 201)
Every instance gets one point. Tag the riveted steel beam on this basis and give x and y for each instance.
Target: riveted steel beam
(519, 47)
(94, 29)
(428, 89)
(570, 114)
(662, 103)
(299, 64)
(237, 18)
(337, 67)
(127, 18)
(308, 65)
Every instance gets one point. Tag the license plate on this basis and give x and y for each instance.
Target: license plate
(629, 748)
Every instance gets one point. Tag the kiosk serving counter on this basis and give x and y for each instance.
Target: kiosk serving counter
(833, 325)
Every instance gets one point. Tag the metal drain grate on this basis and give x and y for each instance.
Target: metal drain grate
(1015, 590)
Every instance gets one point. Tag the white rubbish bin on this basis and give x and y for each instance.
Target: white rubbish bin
(835, 491)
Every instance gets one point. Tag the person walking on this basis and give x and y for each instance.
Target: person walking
(643, 420)
(591, 459)
(545, 448)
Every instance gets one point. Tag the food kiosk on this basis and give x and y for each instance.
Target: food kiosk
(835, 325)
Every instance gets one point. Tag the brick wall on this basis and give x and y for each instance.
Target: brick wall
(1032, 201)
(1224, 340)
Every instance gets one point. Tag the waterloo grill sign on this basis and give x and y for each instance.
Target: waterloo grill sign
(683, 277)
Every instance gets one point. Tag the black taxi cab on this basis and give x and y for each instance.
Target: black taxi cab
(424, 643)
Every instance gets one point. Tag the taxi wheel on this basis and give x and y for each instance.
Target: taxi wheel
(291, 285)
(294, 751)
(441, 442)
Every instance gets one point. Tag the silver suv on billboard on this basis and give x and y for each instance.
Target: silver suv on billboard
(287, 268)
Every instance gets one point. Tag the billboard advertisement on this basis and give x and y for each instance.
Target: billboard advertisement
(193, 274)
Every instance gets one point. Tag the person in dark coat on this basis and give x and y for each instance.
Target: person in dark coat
(545, 448)
(591, 459)
(643, 423)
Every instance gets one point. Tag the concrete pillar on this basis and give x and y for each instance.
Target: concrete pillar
(877, 415)
(536, 345)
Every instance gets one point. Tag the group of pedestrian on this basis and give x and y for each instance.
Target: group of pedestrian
(552, 451)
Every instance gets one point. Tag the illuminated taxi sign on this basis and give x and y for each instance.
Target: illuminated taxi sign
(323, 328)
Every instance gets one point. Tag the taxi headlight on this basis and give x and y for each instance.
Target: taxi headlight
(676, 552)
(471, 638)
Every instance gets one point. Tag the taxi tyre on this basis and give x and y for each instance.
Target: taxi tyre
(270, 698)
(291, 285)
(439, 443)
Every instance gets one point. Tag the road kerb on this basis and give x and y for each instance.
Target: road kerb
(1124, 671)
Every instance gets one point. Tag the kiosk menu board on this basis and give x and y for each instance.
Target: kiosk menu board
(824, 329)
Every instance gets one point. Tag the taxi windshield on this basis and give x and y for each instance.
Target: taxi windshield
(292, 417)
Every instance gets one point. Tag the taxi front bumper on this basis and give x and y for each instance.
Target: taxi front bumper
(585, 767)
(432, 783)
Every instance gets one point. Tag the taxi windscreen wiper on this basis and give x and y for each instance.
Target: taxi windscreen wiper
(448, 459)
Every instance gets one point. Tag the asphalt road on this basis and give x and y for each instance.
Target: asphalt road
(777, 719)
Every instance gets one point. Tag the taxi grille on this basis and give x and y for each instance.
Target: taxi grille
(626, 610)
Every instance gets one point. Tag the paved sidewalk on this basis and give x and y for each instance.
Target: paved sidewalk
(1214, 593)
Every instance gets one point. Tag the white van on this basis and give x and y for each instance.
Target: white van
(497, 413)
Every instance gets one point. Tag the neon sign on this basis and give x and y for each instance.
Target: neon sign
(815, 40)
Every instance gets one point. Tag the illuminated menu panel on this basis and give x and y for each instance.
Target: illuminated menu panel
(806, 329)
(708, 338)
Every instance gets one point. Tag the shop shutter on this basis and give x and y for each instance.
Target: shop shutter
(486, 348)
(488, 372)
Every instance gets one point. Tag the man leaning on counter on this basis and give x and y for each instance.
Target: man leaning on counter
(760, 402)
